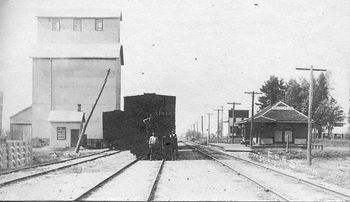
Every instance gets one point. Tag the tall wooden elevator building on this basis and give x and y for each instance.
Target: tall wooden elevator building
(70, 60)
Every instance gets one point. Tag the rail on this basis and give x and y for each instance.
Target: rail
(155, 182)
(50, 163)
(265, 188)
(89, 192)
(52, 170)
(320, 187)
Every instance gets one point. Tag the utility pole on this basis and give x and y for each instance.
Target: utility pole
(251, 121)
(208, 128)
(218, 123)
(221, 121)
(77, 148)
(233, 117)
(194, 130)
(202, 125)
(309, 120)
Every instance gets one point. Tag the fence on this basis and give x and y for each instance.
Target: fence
(317, 146)
(15, 154)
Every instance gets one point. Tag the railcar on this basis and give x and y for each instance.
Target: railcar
(128, 130)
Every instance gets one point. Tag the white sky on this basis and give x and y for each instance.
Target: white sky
(237, 46)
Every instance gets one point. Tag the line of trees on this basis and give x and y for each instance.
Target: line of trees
(326, 112)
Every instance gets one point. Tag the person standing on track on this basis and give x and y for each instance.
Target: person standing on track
(152, 144)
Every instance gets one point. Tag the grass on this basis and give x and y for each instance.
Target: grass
(332, 143)
(331, 164)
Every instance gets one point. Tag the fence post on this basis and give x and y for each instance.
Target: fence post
(3, 156)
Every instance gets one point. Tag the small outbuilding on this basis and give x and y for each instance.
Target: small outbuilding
(275, 125)
(65, 128)
(21, 125)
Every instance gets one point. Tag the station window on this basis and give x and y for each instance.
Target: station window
(77, 25)
(61, 133)
(55, 24)
(99, 24)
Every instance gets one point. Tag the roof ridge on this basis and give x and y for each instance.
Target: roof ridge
(21, 111)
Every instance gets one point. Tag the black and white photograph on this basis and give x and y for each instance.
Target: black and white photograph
(174, 100)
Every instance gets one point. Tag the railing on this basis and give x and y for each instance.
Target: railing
(317, 146)
(15, 154)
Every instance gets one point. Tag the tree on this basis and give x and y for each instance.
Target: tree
(273, 90)
(328, 115)
(295, 95)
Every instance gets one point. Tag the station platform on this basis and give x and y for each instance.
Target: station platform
(231, 147)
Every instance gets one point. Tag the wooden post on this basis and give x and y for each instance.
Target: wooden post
(309, 120)
(202, 126)
(287, 147)
(233, 117)
(252, 118)
(92, 110)
(208, 128)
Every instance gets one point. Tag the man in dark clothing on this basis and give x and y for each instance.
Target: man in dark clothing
(168, 150)
(149, 124)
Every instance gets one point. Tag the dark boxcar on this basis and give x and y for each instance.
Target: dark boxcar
(160, 108)
(114, 132)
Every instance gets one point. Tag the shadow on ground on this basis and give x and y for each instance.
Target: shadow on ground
(187, 153)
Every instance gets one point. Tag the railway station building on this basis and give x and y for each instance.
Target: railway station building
(74, 50)
(275, 125)
(234, 118)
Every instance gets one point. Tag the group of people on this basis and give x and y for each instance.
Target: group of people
(165, 148)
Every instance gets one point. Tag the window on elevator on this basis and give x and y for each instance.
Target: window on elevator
(55, 24)
(99, 24)
(77, 25)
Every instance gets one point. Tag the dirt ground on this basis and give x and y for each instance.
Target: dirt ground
(331, 165)
(47, 155)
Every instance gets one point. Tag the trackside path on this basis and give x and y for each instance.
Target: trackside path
(6, 178)
(66, 184)
(194, 177)
(289, 188)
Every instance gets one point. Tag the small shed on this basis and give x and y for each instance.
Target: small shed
(275, 125)
(65, 128)
(21, 125)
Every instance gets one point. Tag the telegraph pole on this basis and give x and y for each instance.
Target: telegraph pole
(221, 121)
(202, 125)
(208, 127)
(218, 122)
(194, 130)
(233, 117)
(251, 121)
(309, 120)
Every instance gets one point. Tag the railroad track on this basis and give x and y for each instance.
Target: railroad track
(34, 173)
(265, 186)
(51, 163)
(98, 187)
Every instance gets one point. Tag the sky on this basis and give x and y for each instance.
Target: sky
(204, 52)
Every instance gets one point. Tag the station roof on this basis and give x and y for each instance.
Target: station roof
(66, 116)
(279, 112)
(79, 13)
(77, 51)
